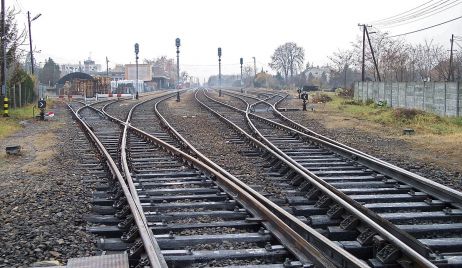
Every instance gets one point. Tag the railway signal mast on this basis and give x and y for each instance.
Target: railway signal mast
(137, 50)
(219, 67)
(177, 43)
(241, 61)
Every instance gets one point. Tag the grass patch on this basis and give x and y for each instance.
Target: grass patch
(10, 125)
(423, 122)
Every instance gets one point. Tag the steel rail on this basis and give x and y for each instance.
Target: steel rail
(335, 194)
(302, 249)
(155, 258)
(438, 190)
(291, 239)
(306, 231)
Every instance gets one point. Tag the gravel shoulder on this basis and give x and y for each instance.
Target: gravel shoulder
(436, 157)
(42, 199)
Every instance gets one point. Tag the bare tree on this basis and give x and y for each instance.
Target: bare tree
(288, 59)
(247, 75)
(342, 61)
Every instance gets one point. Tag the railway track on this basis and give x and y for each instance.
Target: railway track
(422, 214)
(172, 209)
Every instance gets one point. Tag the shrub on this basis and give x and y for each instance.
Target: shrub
(352, 102)
(320, 97)
(406, 114)
(345, 92)
(369, 102)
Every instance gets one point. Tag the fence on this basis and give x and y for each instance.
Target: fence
(442, 98)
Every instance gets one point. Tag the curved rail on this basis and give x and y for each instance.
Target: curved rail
(297, 244)
(304, 230)
(440, 191)
(156, 259)
(333, 193)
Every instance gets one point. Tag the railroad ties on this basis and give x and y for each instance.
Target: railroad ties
(183, 213)
(427, 219)
(192, 219)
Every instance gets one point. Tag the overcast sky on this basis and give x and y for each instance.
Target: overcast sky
(71, 31)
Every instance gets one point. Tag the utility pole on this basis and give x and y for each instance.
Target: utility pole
(363, 70)
(30, 40)
(255, 66)
(107, 67)
(364, 51)
(373, 56)
(4, 98)
(219, 67)
(451, 72)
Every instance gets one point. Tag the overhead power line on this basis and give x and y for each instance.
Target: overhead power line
(441, 4)
(422, 16)
(407, 11)
(426, 28)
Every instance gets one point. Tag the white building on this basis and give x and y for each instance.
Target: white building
(89, 67)
(70, 68)
(317, 72)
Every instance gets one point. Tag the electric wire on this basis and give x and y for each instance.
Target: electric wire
(402, 13)
(426, 28)
(456, 3)
(418, 13)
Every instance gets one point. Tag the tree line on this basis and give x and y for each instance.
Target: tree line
(19, 84)
(397, 61)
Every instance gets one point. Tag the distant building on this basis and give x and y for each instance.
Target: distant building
(69, 68)
(144, 72)
(317, 72)
(90, 67)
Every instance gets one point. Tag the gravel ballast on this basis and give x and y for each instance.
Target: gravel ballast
(42, 197)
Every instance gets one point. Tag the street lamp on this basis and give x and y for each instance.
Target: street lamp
(177, 44)
(137, 50)
(219, 67)
(30, 40)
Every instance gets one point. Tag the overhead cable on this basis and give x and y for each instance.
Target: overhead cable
(426, 28)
